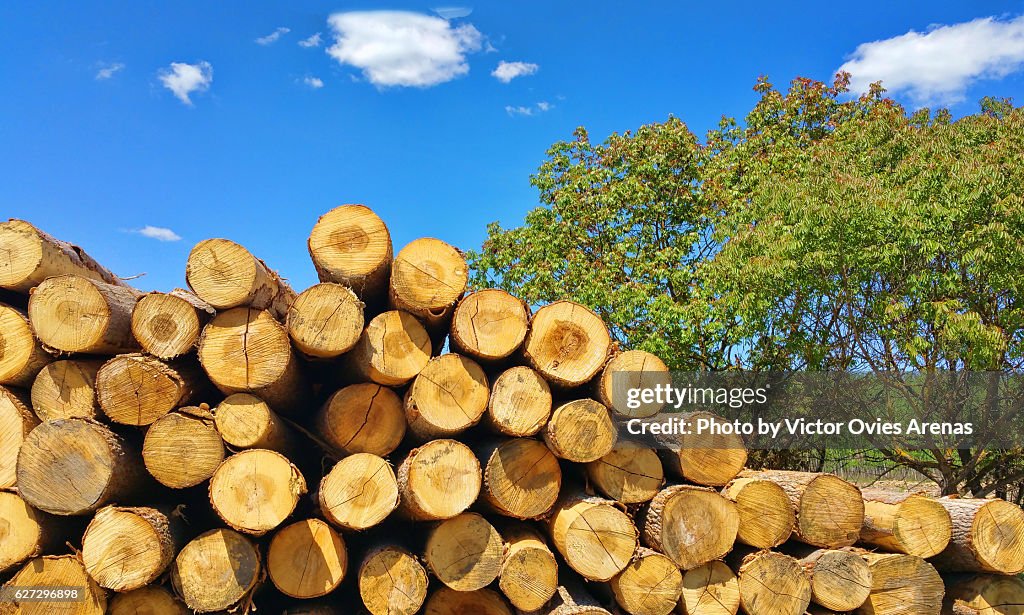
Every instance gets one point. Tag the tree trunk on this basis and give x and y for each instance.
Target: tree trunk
(489, 325)
(127, 548)
(629, 474)
(80, 315)
(905, 523)
(21, 355)
(428, 278)
(35, 256)
(840, 578)
(988, 536)
(634, 369)
(392, 350)
(984, 594)
(520, 403)
(521, 478)
(254, 491)
(152, 599)
(448, 397)
(245, 421)
(567, 343)
(362, 418)
(709, 459)
(307, 559)
(593, 535)
(136, 389)
(581, 431)
(167, 325)
(529, 570)
(25, 532)
(771, 583)
(465, 552)
(16, 422)
(325, 321)
(183, 448)
(392, 581)
(438, 480)
(691, 525)
(572, 599)
(65, 390)
(216, 571)
(650, 585)
(902, 585)
(767, 517)
(226, 275)
(359, 492)
(446, 601)
(64, 571)
(351, 245)
(711, 589)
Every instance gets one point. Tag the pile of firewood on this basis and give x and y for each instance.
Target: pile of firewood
(239, 446)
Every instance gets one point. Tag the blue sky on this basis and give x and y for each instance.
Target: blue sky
(116, 117)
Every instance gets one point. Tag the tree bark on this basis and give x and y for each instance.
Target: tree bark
(35, 256)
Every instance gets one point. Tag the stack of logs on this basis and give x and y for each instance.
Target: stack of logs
(239, 445)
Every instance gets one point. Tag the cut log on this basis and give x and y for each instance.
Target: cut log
(489, 325)
(464, 552)
(529, 570)
(521, 478)
(771, 583)
(167, 325)
(325, 321)
(351, 245)
(183, 448)
(359, 492)
(567, 343)
(594, 536)
(60, 572)
(65, 390)
(581, 431)
(24, 531)
(650, 585)
(987, 536)
(572, 599)
(75, 314)
(520, 402)
(480, 602)
(21, 354)
(33, 256)
(254, 491)
(136, 389)
(711, 589)
(393, 348)
(438, 480)
(216, 570)
(902, 585)
(984, 594)
(392, 581)
(126, 548)
(634, 369)
(829, 510)
(307, 559)
(226, 275)
(691, 525)
(149, 600)
(244, 350)
(767, 517)
(428, 277)
(362, 418)
(74, 466)
(629, 474)
(16, 422)
(709, 459)
(903, 522)
(448, 397)
(840, 578)
(246, 421)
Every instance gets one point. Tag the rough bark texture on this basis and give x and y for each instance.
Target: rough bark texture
(988, 536)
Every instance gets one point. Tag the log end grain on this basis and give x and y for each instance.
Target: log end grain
(710, 589)
(126, 548)
(359, 492)
(594, 536)
(691, 525)
(438, 480)
(529, 570)
(521, 478)
(446, 601)
(66, 389)
(633, 369)
(650, 585)
(465, 552)
(16, 423)
(392, 581)
(903, 585)
(447, 397)
(767, 517)
(183, 448)
(21, 355)
(581, 431)
(167, 325)
(22, 531)
(831, 512)
(75, 314)
(567, 343)
(254, 491)
(427, 277)
(216, 570)
(222, 273)
(489, 325)
(840, 579)
(351, 245)
(149, 600)
(711, 459)
(520, 402)
(392, 350)
(363, 418)
(59, 571)
(325, 320)
(629, 474)
(307, 559)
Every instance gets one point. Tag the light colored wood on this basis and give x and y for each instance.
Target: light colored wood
(183, 448)
(633, 369)
(66, 389)
(244, 350)
(829, 510)
(711, 589)
(137, 389)
(709, 459)
(984, 594)
(840, 578)
(567, 343)
(987, 536)
(226, 275)
(767, 517)
(127, 548)
(325, 320)
(572, 598)
(446, 601)
(692, 525)
(63, 571)
(630, 474)
(148, 600)
(246, 421)
(438, 480)
(362, 418)
(307, 559)
(21, 354)
(593, 535)
(167, 325)
(31, 256)
(75, 314)
(74, 466)
(216, 570)
(772, 583)
(24, 531)
(520, 402)
(359, 492)
(650, 585)
(428, 277)
(489, 325)
(521, 478)
(393, 348)
(16, 422)
(902, 585)
(464, 552)
(529, 570)
(446, 398)
(903, 522)
(351, 245)
(392, 581)
(581, 431)
(254, 491)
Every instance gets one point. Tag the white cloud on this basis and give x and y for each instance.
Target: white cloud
(158, 232)
(311, 41)
(540, 107)
(185, 79)
(938, 65)
(272, 37)
(401, 48)
(107, 71)
(453, 12)
(507, 71)
(314, 82)
(544, 105)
